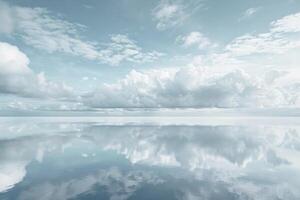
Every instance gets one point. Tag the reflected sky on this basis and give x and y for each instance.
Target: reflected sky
(64, 159)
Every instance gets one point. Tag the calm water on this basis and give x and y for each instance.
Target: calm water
(47, 159)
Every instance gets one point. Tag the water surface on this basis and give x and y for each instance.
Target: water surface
(149, 158)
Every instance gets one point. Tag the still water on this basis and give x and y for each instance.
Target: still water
(64, 158)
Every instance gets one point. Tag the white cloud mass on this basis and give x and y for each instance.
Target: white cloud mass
(193, 87)
(276, 41)
(18, 79)
(219, 79)
(195, 38)
(290, 23)
(13, 61)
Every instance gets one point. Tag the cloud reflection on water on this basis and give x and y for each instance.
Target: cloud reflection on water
(125, 161)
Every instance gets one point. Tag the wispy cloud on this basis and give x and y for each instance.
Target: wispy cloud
(276, 41)
(38, 28)
(121, 48)
(41, 29)
(249, 13)
(170, 13)
(261, 43)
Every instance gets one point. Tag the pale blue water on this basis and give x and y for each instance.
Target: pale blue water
(149, 158)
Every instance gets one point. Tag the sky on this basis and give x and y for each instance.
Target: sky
(96, 54)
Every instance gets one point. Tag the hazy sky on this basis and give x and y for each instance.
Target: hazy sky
(89, 54)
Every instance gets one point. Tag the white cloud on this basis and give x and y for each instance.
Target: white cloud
(170, 13)
(191, 86)
(249, 13)
(195, 87)
(261, 43)
(41, 29)
(17, 78)
(13, 61)
(121, 48)
(276, 41)
(290, 23)
(225, 79)
(197, 39)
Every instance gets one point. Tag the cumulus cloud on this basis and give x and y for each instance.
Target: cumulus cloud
(18, 79)
(191, 87)
(290, 23)
(212, 80)
(13, 61)
(276, 41)
(195, 38)
(170, 13)
(42, 29)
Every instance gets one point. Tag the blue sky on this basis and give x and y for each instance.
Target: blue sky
(89, 54)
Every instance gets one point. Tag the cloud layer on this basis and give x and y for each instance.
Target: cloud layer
(224, 77)
(41, 29)
(277, 40)
(189, 87)
(196, 87)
